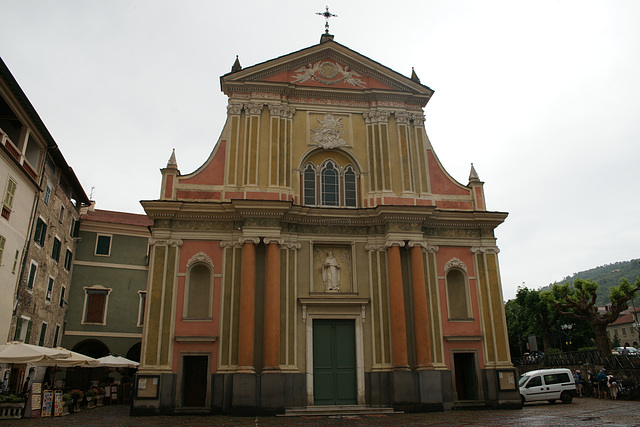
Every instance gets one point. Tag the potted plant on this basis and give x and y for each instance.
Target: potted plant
(76, 398)
(100, 396)
(91, 397)
(66, 403)
(11, 406)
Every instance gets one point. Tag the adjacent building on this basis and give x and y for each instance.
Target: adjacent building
(322, 255)
(108, 289)
(626, 328)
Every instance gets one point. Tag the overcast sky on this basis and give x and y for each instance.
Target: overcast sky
(542, 96)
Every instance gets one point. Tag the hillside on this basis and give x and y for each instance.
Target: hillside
(606, 276)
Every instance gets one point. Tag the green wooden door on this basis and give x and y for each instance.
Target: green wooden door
(334, 362)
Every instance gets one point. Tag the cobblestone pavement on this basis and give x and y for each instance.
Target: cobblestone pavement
(582, 412)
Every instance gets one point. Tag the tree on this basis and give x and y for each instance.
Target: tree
(579, 301)
(539, 316)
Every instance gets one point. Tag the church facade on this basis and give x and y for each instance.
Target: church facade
(322, 255)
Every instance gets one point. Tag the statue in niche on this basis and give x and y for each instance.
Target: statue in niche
(331, 274)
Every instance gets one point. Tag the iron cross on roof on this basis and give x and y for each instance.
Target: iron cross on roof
(326, 15)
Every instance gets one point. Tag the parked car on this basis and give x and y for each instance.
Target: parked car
(632, 351)
(547, 384)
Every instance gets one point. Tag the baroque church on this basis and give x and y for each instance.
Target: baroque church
(322, 256)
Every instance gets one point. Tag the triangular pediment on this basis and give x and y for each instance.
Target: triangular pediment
(327, 66)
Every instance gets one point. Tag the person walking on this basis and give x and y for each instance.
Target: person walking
(577, 377)
(613, 387)
(591, 377)
(603, 386)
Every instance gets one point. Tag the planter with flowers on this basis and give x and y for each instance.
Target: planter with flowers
(66, 402)
(91, 398)
(11, 406)
(100, 396)
(76, 398)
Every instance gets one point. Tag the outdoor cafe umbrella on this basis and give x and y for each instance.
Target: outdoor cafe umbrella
(74, 359)
(117, 362)
(19, 352)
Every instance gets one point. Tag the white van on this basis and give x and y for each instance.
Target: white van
(547, 384)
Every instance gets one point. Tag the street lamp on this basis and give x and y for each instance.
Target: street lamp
(566, 330)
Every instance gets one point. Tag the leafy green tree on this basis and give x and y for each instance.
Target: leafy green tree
(579, 301)
(537, 314)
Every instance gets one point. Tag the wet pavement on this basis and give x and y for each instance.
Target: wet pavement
(582, 412)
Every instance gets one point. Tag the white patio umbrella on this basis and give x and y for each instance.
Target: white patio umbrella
(74, 359)
(19, 352)
(117, 362)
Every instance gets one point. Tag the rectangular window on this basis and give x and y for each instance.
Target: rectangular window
(56, 336)
(74, 231)
(55, 253)
(9, 196)
(141, 307)
(68, 257)
(62, 300)
(23, 329)
(40, 233)
(61, 214)
(2, 242)
(103, 245)
(43, 334)
(47, 297)
(15, 262)
(95, 305)
(33, 270)
(47, 195)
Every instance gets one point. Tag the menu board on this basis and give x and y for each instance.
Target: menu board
(36, 399)
(47, 403)
(57, 403)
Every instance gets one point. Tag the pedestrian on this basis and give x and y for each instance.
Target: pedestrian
(577, 377)
(613, 387)
(26, 386)
(592, 383)
(603, 386)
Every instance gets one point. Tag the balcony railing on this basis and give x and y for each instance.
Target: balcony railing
(13, 150)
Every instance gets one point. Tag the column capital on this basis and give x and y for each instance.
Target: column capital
(484, 249)
(253, 108)
(165, 242)
(277, 240)
(234, 109)
(280, 110)
(426, 246)
(249, 239)
(390, 243)
(402, 117)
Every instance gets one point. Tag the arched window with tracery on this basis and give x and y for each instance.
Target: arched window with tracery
(309, 185)
(329, 180)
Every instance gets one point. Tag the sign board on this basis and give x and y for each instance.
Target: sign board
(47, 403)
(57, 403)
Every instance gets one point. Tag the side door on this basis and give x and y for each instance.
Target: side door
(534, 389)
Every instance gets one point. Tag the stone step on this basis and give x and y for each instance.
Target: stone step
(469, 404)
(338, 410)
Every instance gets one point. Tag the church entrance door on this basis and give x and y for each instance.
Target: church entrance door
(194, 380)
(466, 377)
(334, 362)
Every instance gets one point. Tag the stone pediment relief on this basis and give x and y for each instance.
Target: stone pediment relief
(328, 73)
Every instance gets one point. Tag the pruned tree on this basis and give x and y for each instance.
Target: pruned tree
(538, 313)
(579, 301)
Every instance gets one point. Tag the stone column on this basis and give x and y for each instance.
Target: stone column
(246, 328)
(420, 308)
(396, 301)
(272, 306)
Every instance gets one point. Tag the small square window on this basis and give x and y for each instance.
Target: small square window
(103, 245)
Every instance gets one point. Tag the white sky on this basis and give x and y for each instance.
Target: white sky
(542, 96)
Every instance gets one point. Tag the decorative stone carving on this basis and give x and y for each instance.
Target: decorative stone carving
(331, 274)
(328, 135)
(253, 109)
(165, 242)
(418, 119)
(280, 110)
(484, 249)
(234, 109)
(328, 73)
(376, 116)
(402, 117)
(200, 257)
(455, 263)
